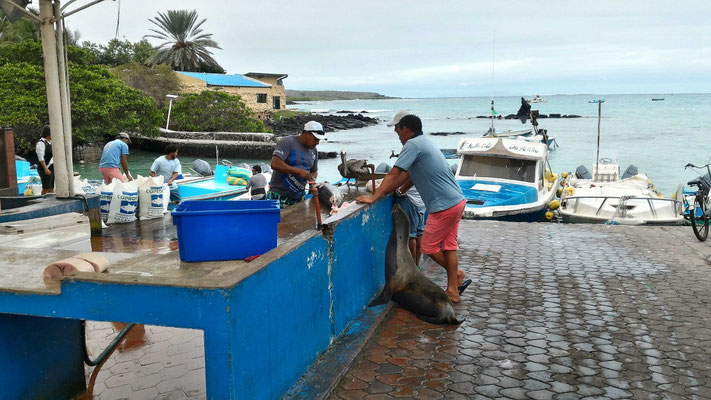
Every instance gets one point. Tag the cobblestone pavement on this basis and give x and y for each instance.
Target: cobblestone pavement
(556, 311)
(152, 362)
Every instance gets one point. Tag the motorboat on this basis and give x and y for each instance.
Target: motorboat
(536, 99)
(215, 187)
(596, 101)
(508, 133)
(605, 196)
(505, 179)
(658, 99)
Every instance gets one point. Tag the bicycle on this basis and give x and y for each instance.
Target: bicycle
(698, 212)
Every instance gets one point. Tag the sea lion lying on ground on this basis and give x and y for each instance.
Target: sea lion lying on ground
(405, 285)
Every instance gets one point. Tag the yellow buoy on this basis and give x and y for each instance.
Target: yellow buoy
(553, 204)
(562, 183)
(549, 215)
(28, 191)
(569, 191)
(559, 192)
(563, 175)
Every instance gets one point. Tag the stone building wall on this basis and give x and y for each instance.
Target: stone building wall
(248, 94)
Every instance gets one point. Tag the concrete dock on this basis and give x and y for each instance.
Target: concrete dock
(555, 311)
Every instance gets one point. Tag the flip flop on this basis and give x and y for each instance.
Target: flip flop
(464, 286)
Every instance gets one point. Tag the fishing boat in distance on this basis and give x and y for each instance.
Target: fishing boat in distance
(596, 101)
(658, 99)
(505, 179)
(536, 99)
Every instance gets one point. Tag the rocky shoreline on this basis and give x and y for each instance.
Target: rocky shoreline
(294, 125)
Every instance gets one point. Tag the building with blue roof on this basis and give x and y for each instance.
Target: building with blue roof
(260, 91)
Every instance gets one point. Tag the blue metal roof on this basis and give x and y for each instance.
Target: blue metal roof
(225, 80)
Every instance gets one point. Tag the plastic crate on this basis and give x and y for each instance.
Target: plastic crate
(214, 230)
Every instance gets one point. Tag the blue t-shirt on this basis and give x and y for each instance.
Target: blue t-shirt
(430, 173)
(296, 155)
(166, 168)
(111, 157)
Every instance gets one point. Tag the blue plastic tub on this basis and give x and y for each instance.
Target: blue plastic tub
(213, 230)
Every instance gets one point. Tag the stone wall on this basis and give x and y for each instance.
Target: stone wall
(248, 94)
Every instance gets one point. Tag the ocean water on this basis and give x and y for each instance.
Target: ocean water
(659, 137)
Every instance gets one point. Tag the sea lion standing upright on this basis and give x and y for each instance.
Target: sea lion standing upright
(405, 285)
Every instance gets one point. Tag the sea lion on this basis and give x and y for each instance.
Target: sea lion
(405, 285)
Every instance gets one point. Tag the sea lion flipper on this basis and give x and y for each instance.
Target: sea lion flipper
(431, 320)
(383, 298)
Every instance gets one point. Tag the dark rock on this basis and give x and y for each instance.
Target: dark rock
(571, 116)
(447, 133)
(294, 125)
(554, 115)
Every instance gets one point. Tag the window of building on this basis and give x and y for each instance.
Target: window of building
(261, 98)
(276, 102)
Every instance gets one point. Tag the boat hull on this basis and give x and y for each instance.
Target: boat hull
(521, 211)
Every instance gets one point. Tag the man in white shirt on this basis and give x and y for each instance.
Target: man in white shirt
(45, 167)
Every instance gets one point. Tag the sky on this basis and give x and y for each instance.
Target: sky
(444, 48)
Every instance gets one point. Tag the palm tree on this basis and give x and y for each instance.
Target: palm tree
(185, 46)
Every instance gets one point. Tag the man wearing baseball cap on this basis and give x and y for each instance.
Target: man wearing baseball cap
(115, 153)
(421, 163)
(294, 164)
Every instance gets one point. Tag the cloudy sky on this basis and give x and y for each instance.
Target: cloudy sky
(446, 48)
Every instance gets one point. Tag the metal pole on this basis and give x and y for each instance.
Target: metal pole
(64, 97)
(597, 156)
(170, 105)
(54, 102)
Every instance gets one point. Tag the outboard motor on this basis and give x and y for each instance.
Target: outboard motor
(630, 172)
(383, 168)
(202, 167)
(266, 168)
(582, 173)
(244, 165)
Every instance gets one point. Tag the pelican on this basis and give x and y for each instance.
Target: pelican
(352, 169)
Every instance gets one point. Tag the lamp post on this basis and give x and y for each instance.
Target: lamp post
(170, 106)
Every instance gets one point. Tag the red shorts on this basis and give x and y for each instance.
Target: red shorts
(442, 229)
(110, 173)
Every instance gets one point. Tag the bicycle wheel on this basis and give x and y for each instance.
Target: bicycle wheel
(699, 219)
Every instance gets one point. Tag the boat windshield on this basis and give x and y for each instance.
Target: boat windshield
(497, 167)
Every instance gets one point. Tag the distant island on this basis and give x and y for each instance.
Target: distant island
(320, 95)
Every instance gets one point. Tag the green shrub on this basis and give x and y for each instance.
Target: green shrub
(213, 111)
(102, 105)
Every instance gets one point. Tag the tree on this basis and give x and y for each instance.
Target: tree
(117, 52)
(15, 32)
(185, 46)
(213, 111)
(102, 105)
(155, 82)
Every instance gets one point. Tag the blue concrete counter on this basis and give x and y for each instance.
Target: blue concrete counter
(264, 322)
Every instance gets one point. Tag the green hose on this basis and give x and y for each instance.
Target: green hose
(107, 351)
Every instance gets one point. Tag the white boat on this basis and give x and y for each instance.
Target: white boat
(606, 197)
(521, 132)
(505, 179)
(536, 99)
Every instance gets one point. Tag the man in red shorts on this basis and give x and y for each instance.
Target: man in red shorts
(421, 163)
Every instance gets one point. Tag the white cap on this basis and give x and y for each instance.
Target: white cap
(398, 117)
(316, 129)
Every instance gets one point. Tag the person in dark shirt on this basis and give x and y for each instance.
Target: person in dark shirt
(294, 164)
